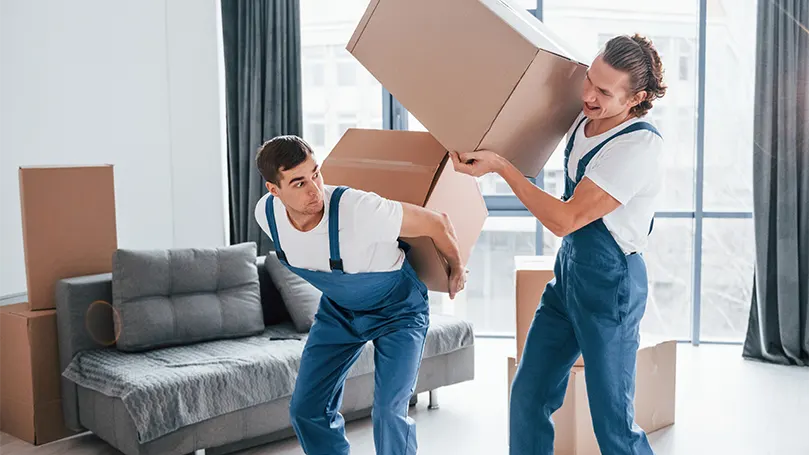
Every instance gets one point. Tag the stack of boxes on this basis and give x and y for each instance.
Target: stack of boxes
(68, 220)
(476, 74)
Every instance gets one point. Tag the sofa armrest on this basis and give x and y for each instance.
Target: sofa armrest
(84, 319)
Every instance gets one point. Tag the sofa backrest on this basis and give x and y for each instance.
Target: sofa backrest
(183, 296)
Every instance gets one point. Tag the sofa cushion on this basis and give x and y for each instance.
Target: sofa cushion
(271, 301)
(182, 296)
(301, 299)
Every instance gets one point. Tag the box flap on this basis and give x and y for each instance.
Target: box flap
(398, 165)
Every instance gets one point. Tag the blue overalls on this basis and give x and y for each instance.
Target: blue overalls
(593, 306)
(388, 308)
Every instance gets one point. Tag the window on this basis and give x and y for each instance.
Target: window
(314, 73)
(346, 122)
(314, 132)
(527, 4)
(683, 68)
(728, 256)
(729, 106)
(313, 68)
(668, 262)
(346, 73)
(488, 300)
(336, 87)
(687, 57)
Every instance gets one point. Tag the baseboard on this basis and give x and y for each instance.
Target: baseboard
(11, 299)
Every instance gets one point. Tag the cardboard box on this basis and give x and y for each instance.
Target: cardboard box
(412, 167)
(532, 274)
(30, 393)
(476, 73)
(654, 400)
(68, 226)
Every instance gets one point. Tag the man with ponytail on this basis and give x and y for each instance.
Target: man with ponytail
(594, 305)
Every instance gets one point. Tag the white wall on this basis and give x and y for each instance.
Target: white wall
(137, 84)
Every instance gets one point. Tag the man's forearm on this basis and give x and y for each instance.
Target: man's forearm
(446, 241)
(421, 222)
(553, 213)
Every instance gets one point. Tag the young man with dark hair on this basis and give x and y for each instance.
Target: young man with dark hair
(345, 242)
(593, 306)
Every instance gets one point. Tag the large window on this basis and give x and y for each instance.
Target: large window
(338, 93)
(700, 257)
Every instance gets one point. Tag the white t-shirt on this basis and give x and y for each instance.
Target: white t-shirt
(630, 169)
(369, 227)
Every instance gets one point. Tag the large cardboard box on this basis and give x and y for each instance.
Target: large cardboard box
(412, 167)
(654, 400)
(30, 394)
(476, 73)
(68, 226)
(532, 274)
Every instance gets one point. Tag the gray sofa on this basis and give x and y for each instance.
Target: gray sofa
(143, 371)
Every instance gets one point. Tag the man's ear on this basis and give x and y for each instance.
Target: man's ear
(638, 98)
(271, 188)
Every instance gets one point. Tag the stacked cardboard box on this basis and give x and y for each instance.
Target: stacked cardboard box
(412, 167)
(655, 376)
(69, 229)
(476, 74)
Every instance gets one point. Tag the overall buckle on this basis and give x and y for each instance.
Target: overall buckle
(336, 264)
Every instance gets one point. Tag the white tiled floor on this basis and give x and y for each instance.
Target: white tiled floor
(725, 405)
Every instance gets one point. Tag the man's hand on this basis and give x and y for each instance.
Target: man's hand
(421, 222)
(477, 163)
(457, 280)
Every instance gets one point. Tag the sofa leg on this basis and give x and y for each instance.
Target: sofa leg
(414, 400)
(433, 400)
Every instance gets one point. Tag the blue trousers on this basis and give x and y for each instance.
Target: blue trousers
(595, 312)
(335, 342)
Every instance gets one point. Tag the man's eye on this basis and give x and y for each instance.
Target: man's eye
(317, 174)
(299, 184)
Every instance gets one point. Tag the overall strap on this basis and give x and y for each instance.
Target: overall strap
(585, 160)
(335, 261)
(568, 150)
(269, 210)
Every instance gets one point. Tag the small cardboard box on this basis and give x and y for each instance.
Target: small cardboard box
(654, 400)
(476, 73)
(412, 167)
(30, 393)
(532, 274)
(68, 226)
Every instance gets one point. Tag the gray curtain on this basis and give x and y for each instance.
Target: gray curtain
(263, 80)
(778, 328)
